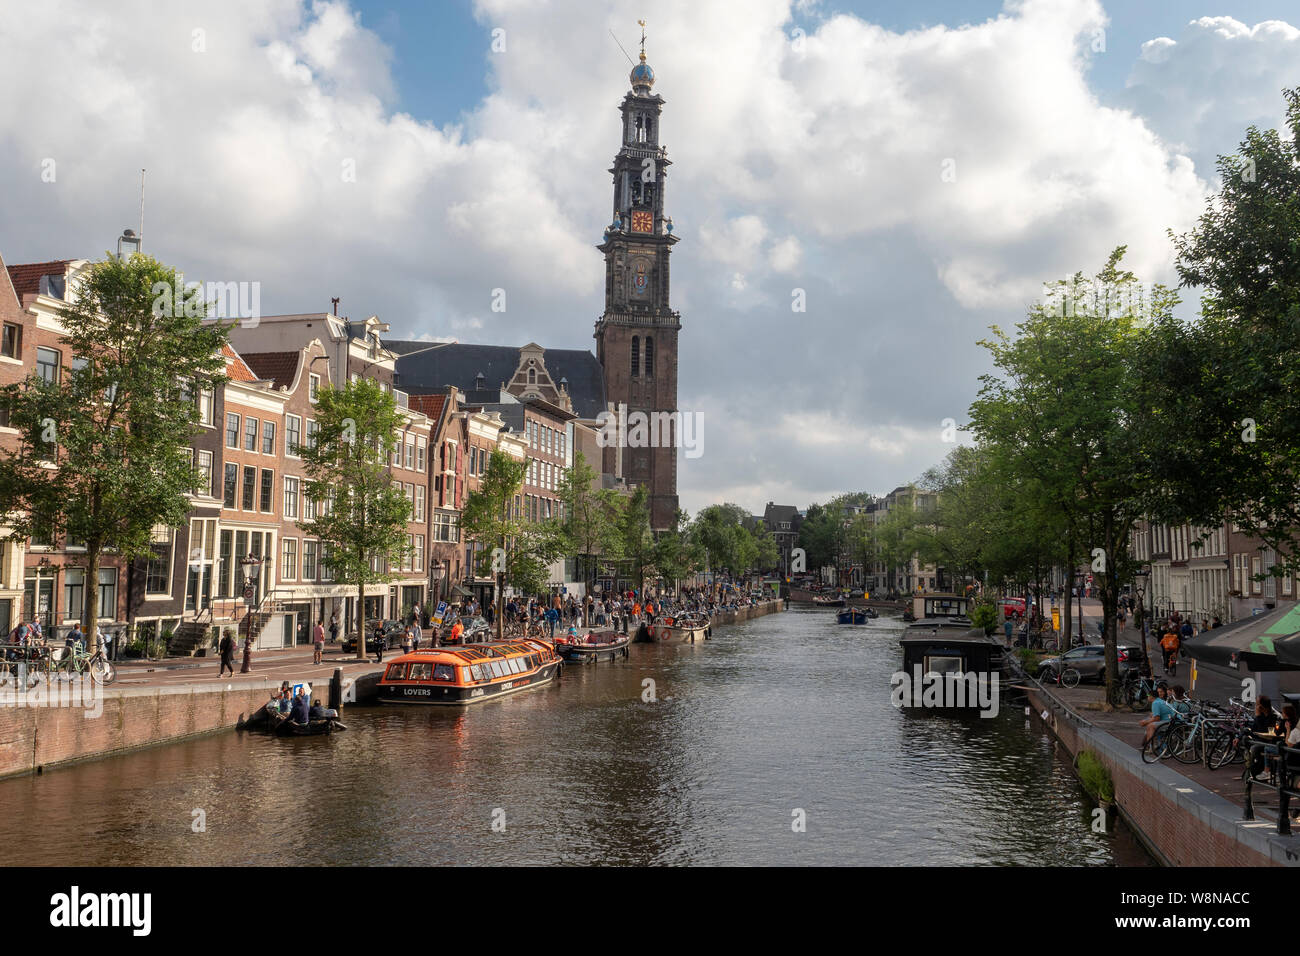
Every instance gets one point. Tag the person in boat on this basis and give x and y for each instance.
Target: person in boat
(283, 698)
(573, 633)
(299, 711)
(319, 712)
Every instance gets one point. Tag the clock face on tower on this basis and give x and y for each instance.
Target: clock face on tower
(643, 220)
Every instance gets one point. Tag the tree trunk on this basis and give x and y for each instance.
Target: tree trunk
(1067, 596)
(90, 597)
(1108, 610)
(361, 621)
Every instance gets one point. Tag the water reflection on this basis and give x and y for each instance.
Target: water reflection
(788, 712)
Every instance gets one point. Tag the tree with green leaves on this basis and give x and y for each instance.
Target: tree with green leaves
(677, 554)
(636, 540)
(115, 423)
(1222, 394)
(518, 551)
(590, 518)
(362, 517)
(1063, 410)
(823, 535)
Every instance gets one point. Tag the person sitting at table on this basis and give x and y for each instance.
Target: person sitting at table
(1162, 711)
(1265, 721)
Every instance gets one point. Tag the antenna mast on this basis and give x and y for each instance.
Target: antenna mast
(620, 46)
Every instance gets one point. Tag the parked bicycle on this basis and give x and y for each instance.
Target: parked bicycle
(68, 663)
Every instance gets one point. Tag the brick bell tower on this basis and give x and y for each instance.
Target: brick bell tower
(636, 337)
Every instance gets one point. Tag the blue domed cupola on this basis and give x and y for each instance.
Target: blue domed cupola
(642, 77)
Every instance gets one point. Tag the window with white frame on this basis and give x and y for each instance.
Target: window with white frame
(419, 552)
(419, 502)
(290, 497)
(292, 435)
(410, 454)
(107, 593)
(313, 388)
(309, 560)
(288, 559)
(421, 453)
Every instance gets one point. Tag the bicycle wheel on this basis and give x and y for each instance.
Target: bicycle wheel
(1218, 749)
(1157, 748)
(1070, 677)
(101, 671)
(1185, 745)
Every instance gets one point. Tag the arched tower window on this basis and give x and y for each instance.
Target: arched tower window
(636, 357)
(649, 356)
(532, 376)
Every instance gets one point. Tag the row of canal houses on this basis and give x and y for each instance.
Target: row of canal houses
(242, 558)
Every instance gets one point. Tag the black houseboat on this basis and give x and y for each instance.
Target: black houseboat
(948, 663)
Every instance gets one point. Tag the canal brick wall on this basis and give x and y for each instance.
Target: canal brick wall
(746, 613)
(36, 738)
(1181, 823)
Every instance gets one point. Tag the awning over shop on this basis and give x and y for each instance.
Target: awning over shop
(1252, 643)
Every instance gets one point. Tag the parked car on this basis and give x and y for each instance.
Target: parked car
(1090, 661)
(393, 633)
(1012, 608)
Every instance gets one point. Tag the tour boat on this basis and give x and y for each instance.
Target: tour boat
(681, 629)
(828, 601)
(470, 674)
(596, 646)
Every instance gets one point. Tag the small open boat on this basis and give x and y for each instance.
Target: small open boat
(280, 724)
(854, 615)
(828, 600)
(681, 629)
(596, 646)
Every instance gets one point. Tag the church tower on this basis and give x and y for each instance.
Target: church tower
(636, 337)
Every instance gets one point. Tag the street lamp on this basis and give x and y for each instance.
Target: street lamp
(1141, 593)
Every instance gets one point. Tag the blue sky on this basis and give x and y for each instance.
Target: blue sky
(440, 50)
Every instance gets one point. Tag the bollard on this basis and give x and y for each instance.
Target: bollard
(336, 690)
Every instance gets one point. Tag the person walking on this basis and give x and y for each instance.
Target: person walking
(227, 649)
(318, 642)
(378, 641)
(334, 627)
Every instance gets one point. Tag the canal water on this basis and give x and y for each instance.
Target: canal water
(773, 743)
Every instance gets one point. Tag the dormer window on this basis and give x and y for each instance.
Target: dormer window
(532, 376)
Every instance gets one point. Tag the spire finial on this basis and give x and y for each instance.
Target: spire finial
(642, 24)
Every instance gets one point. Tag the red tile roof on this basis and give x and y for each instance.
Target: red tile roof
(280, 367)
(236, 368)
(430, 405)
(27, 277)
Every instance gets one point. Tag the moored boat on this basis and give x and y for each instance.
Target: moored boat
(948, 663)
(461, 675)
(680, 629)
(596, 646)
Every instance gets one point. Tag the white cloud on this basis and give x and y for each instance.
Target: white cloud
(275, 155)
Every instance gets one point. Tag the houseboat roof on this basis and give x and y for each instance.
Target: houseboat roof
(946, 630)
